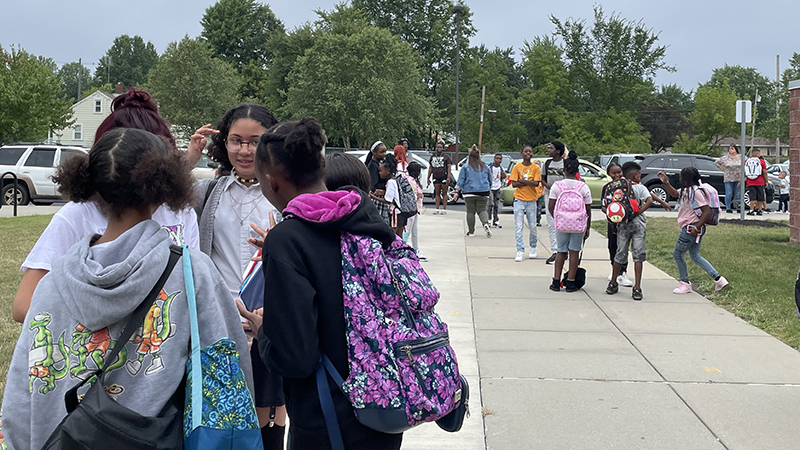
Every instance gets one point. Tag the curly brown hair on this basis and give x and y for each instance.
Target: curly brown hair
(128, 168)
(218, 150)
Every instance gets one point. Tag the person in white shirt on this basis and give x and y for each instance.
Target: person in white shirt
(495, 198)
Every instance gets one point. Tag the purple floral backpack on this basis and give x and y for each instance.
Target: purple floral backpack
(403, 371)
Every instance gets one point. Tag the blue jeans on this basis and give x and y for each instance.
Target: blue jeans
(524, 209)
(539, 202)
(688, 243)
(731, 193)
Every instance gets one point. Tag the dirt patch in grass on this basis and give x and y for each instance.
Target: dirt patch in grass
(756, 223)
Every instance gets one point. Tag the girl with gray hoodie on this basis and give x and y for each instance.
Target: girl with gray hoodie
(80, 307)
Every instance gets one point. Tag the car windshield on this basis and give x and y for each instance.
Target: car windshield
(204, 161)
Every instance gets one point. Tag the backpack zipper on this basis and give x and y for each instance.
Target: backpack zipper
(420, 347)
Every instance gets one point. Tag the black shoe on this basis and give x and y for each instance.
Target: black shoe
(555, 285)
(728, 211)
(751, 213)
(551, 259)
(570, 286)
(759, 213)
(637, 295)
(612, 288)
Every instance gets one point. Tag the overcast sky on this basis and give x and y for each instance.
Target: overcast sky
(700, 34)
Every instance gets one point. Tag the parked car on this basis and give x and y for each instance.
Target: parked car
(672, 164)
(427, 191)
(591, 174)
(775, 169)
(34, 165)
(205, 168)
(619, 158)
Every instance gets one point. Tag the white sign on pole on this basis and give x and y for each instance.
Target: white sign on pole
(748, 111)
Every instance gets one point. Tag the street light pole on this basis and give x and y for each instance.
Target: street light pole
(457, 10)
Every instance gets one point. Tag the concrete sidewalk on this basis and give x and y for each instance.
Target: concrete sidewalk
(591, 371)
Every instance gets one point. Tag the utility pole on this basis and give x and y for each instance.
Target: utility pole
(753, 130)
(777, 105)
(480, 132)
(80, 66)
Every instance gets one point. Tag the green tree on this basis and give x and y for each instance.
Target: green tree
(69, 74)
(348, 83)
(612, 63)
(31, 97)
(677, 98)
(547, 91)
(745, 81)
(287, 48)
(610, 131)
(778, 126)
(128, 61)
(191, 86)
(662, 121)
(714, 113)
(239, 31)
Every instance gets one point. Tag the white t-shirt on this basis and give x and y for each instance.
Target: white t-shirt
(392, 194)
(555, 191)
(497, 174)
(74, 221)
(555, 172)
(239, 205)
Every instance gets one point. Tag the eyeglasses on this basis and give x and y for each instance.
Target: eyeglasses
(234, 145)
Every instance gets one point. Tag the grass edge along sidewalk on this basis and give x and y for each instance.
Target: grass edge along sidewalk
(757, 260)
(17, 236)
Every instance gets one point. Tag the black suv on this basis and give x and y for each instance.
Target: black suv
(672, 163)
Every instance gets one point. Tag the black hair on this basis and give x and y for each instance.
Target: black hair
(400, 142)
(734, 147)
(571, 165)
(414, 171)
(342, 169)
(295, 149)
(218, 150)
(630, 167)
(559, 146)
(128, 168)
(371, 152)
(690, 177)
(613, 164)
(390, 163)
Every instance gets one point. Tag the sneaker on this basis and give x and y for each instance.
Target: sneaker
(488, 230)
(551, 259)
(683, 288)
(637, 295)
(435, 212)
(612, 288)
(443, 212)
(720, 283)
(759, 213)
(623, 280)
(728, 211)
(532, 254)
(751, 213)
(470, 234)
(519, 256)
(555, 286)
(421, 257)
(538, 224)
(570, 286)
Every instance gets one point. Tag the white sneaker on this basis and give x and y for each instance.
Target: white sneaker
(532, 254)
(519, 257)
(443, 212)
(488, 230)
(623, 280)
(435, 212)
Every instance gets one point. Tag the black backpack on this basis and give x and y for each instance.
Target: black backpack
(407, 199)
(619, 201)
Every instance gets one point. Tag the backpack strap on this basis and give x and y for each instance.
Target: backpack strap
(211, 185)
(134, 322)
(326, 400)
(546, 167)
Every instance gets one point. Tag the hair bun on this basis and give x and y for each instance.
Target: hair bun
(572, 155)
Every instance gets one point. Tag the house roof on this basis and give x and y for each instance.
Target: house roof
(110, 96)
(757, 142)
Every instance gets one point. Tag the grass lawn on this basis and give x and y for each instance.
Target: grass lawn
(757, 260)
(17, 236)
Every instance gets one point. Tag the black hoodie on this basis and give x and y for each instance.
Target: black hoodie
(304, 310)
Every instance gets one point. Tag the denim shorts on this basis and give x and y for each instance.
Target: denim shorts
(631, 234)
(569, 241)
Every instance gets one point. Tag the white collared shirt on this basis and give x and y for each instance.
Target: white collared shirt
(239, 205)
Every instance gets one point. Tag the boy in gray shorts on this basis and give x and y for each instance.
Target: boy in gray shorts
(632, 233)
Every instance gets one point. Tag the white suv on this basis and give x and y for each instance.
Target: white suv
(34, 165)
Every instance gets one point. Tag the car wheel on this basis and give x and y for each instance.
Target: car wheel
(22, 194)
(451, 194)
(660, 192)
(746, 198)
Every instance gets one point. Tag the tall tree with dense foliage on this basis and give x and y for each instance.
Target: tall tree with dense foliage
(547, 91)
(713, 118)
(778, 126)
(612, 63)
(362, 86)
(31, 96)
(193, 87)
(128, 61)
(745, 82)
(69, 74)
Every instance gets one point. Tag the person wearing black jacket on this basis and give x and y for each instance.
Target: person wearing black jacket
(303, 312)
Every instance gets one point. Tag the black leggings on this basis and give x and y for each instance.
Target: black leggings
(612, 246)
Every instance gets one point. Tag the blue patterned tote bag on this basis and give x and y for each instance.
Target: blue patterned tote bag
(226, 416)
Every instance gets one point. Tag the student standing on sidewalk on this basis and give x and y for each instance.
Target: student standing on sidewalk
(564, 216)
(614, 170)
(474, 183)
(440, 172)
(755, 170)
(526, 178)
(691, 198)
(414, 171)
(553, 171)
(495, 197)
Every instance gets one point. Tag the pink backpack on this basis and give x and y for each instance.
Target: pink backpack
(570, 211)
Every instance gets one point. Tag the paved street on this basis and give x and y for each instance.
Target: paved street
(592, 371)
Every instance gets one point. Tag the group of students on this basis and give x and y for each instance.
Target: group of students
(131, 198)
